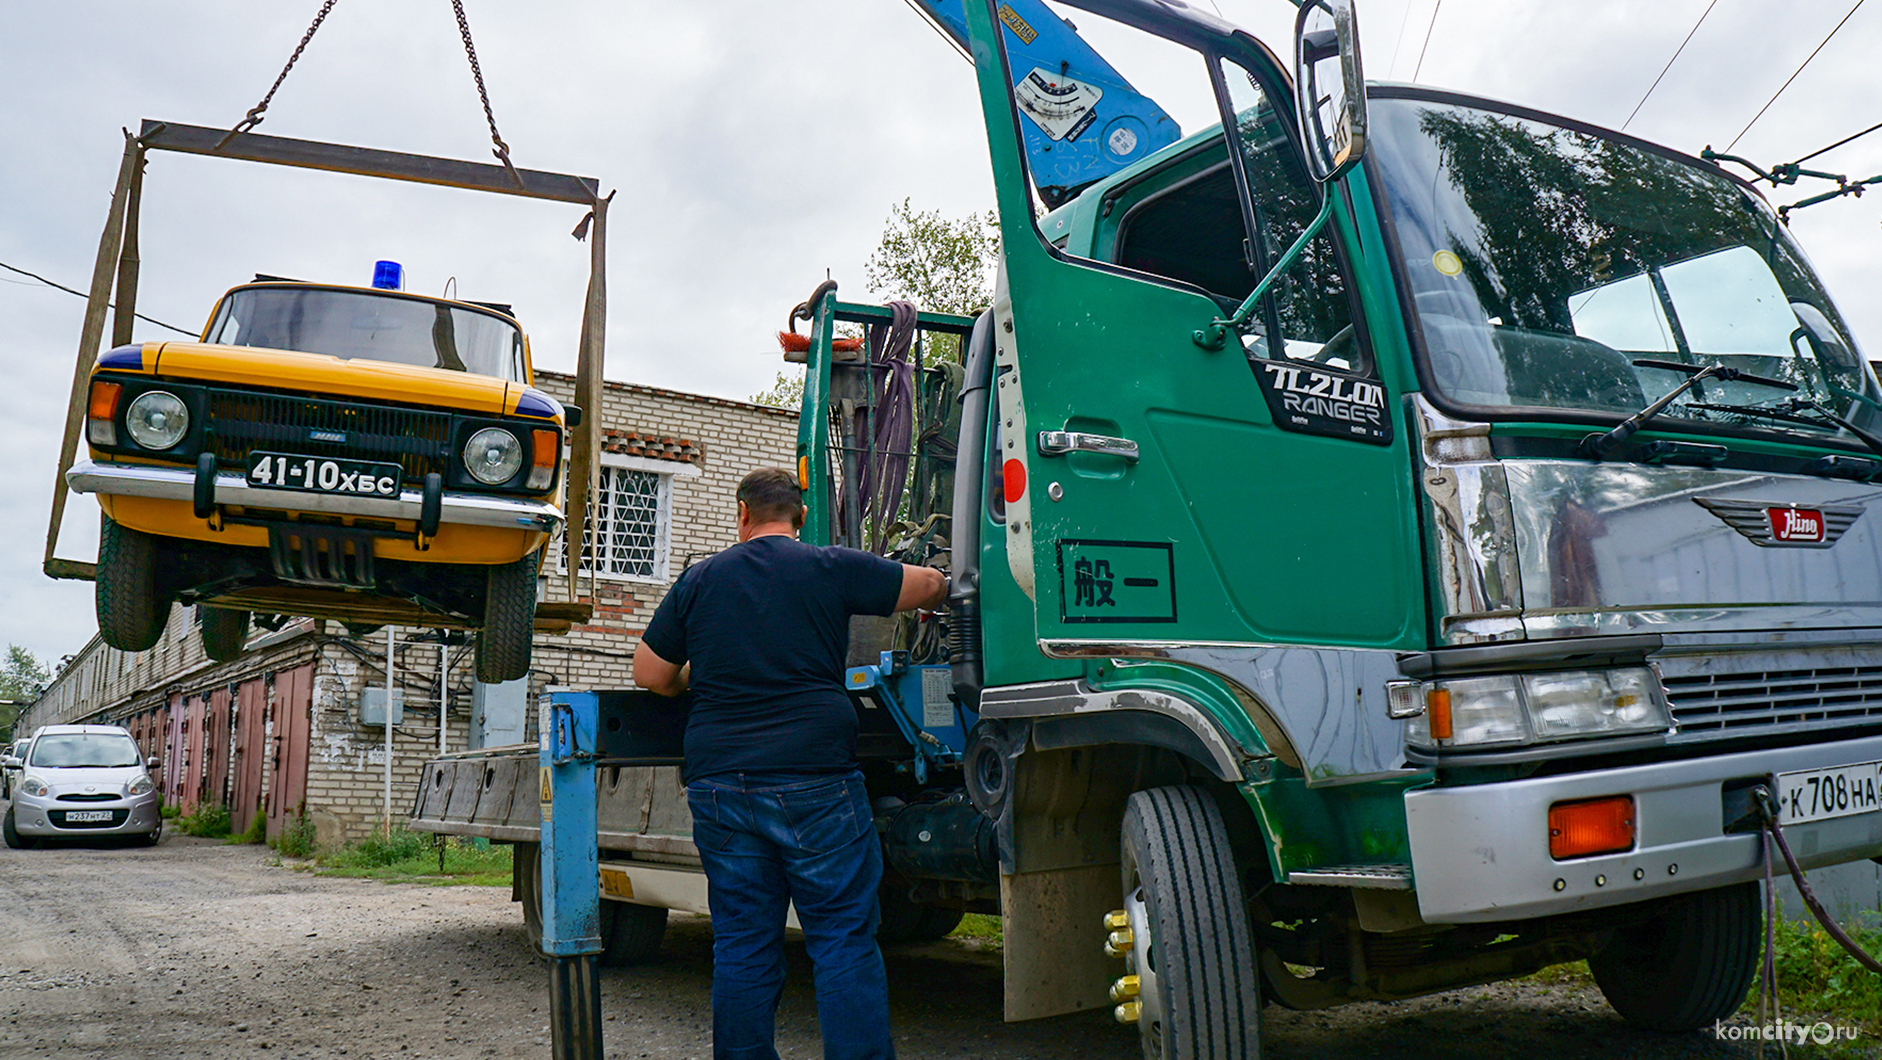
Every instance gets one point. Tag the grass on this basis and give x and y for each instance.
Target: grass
(415, 857)
(211, 821)
(984, 928)
(297, 838)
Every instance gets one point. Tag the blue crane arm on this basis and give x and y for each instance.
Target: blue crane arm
(1084, 121)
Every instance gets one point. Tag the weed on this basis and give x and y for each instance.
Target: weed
(257, 832)
(170, 811)
(211, 821)
(987, 929)
(408, 855)
(297, 837)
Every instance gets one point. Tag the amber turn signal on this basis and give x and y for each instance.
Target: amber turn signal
(1438, 709)
(1596, 826)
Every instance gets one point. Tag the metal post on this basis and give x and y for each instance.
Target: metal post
(392, 671)
(444, 691)
(571, 871)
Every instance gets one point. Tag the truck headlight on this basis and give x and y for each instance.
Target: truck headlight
(157, 419)
(143, 785)
(1508, 709)
(35, 787)
(493, 456)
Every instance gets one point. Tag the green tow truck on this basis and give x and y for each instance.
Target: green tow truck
(1406, 542)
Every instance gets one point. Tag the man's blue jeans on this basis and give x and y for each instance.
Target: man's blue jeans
(772, 839)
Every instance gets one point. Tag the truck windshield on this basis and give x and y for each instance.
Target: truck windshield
(371, 326)
(1544, 260)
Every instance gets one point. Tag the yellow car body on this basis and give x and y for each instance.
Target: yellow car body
(366, 455)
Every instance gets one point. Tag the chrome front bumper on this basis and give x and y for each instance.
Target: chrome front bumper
(176, 483)
(1482, 853)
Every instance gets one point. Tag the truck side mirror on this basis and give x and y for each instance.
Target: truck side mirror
(1329, 87)
(1823, 338)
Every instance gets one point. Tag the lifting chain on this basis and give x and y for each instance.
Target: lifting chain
(254, 114)
(502, 150)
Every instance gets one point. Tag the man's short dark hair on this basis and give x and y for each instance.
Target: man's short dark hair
(770, 495)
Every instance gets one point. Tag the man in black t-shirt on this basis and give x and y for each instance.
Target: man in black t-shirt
(760, 632)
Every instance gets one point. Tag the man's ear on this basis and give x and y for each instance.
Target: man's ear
(803, 513)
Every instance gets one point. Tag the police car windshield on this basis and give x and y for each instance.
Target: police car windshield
(370, 325)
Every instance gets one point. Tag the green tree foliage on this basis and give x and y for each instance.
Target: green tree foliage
(942, 264)
(22, 679)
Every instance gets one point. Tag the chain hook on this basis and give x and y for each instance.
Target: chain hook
(254, 113)
(502, 150)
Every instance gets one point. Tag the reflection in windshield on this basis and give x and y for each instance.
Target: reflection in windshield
(1543, 261)
(102, 750)
(370, 326)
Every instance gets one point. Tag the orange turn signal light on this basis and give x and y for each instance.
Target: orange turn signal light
(1438, 712)
(546, 444)
(104, 399)
(1594, 826)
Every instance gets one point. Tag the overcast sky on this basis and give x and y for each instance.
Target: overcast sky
(754, 145)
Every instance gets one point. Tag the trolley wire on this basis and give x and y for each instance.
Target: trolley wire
(1839, 143)
(82, 294)
(1669, 64)
(1792, 77)
(1431, 25)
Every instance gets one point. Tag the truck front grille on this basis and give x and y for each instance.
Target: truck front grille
(1780, 696)
(245, 421)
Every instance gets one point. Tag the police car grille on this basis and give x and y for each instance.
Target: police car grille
(244, 422)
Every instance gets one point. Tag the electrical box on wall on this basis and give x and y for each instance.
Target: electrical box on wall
(372, 706)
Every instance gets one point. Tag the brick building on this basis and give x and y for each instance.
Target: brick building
(278, 731)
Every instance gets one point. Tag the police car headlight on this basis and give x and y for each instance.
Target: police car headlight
(493, 456)
(157, 419)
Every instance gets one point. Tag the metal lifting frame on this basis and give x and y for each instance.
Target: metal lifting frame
(118, 262)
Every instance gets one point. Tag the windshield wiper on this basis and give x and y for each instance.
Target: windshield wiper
(1792, 411)
(1601, 445)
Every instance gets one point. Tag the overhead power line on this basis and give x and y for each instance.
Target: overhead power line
(82, 294)
(1839, 143)
(1429, 26)
(1669, 64)
(1788, 80)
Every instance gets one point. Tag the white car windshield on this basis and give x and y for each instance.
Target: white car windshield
(373, 326)
(98, 750)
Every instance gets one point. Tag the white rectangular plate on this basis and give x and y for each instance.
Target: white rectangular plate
(1821, 794)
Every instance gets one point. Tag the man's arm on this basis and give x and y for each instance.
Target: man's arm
(923, 587)
(657, 675)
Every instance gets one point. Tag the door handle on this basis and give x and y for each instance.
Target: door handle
(1058, 443)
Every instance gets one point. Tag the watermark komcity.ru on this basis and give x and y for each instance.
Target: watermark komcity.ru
(1819, 1033)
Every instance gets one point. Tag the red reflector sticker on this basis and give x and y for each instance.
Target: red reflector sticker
(1796, 524)
(1013, 475)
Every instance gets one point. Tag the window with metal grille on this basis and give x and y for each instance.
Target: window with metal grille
(630, 519)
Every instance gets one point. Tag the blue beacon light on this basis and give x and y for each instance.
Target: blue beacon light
(388, 276)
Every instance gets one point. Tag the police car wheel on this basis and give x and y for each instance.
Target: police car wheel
(503, 645)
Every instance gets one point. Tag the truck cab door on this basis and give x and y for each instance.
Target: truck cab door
(1159, 486)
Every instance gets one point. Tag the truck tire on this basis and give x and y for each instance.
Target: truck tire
(938, 922)
(131, 611)
(526, 883)
(14, 840)
(1191, 948)
(509, 621)
(225, 632)
(1687, 967)
(630, 934)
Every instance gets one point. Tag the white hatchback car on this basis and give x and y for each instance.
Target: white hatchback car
(79, 781)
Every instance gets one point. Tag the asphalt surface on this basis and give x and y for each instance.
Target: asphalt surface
(198, 949)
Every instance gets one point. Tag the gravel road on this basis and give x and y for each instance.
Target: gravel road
(194, 949)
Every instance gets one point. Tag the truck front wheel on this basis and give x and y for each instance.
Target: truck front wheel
(1689, 965)
(1191, 948)
(509, 621)
(131, 610)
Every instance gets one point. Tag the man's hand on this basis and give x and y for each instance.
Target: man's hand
(923, 587)
(657, 675)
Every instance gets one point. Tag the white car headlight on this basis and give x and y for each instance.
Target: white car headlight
(493, 456)
(1506, 710)
(35, 787)
(158, 419)
(143, 785)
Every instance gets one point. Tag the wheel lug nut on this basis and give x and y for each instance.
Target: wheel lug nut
(1116, 919)
(1129, 1011)
(1119, 943)
(1125, 988)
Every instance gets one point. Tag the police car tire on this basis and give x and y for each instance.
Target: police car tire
(631, 934)
(1688, 966)
(1176, 850)
(225, 632)
(131, 612)
(503, 645)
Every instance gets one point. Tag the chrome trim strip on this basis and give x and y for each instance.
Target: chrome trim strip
(1065, 698)
(1481, 853)
(1470, 546)
(1374, 877)
(166, 483)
